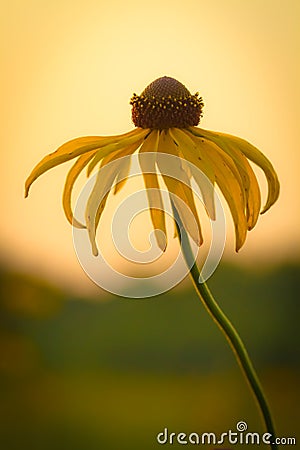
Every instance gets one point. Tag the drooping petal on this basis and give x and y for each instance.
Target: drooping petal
(122, 144)
(97, 199)
(122, 175)
(249, 181)
(100, 211)
(111, 168)
(251, 187)
(178, 185)
(258, 158)
(192, 152)
(231, 188)
(125, 167)
(156, 207)
(72, 176)
(74, 148)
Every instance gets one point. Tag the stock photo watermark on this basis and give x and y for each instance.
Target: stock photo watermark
(100, 267)
(231, 437)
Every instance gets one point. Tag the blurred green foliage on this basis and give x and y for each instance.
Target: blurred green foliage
(111, 373)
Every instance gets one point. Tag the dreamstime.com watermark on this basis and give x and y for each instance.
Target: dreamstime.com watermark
(240, 436)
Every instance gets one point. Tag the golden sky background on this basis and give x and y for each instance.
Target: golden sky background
(68, 69)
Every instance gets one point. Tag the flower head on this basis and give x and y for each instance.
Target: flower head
(165, 116)
(166, 103)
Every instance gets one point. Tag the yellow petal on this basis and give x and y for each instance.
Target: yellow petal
(97, 199)
(70, 150)
(192, 152)
(251, 187)
(258, 158)
(231, 188)
(125, 166)
(122, 175)
(155, 201)
(100, 210)
(179, 187)
(122, 144)
(253, 197)
(118, 170)
(70, 180)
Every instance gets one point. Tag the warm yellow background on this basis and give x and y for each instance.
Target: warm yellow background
(69, 68)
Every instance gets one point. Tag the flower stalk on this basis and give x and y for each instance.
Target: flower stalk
(227, 328)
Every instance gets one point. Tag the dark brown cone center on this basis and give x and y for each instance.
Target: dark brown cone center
(166, 103)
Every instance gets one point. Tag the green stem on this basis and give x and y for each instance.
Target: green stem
(226, 327)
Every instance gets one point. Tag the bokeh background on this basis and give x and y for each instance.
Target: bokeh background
(79, 368)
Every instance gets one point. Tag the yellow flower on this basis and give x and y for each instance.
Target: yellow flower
(165, 116)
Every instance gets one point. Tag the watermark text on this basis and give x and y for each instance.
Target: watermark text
(232, 437)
